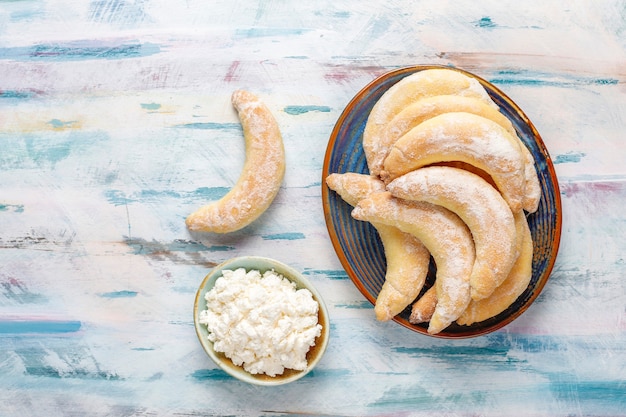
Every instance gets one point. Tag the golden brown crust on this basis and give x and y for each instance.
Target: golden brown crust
(512, 287)
(467, 138)
(427, 83)
(429, 107)
(424, 307)
(446, 237)
(407, 258)
(261, 177)
(407, 267)
(480, 206)
(353, 187)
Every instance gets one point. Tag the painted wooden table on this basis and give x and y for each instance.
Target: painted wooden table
(115, 124)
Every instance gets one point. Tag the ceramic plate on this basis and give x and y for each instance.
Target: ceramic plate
(357, 243)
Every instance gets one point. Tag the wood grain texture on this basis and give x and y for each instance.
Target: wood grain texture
(115, 124)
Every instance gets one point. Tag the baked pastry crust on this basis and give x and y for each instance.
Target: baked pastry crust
(427, 83)
(260, 179)
(447, 238)
(463, 137)
(512, 287)
(406, 257)
(483, 210)
(353, 187)
(429, 107)
(424, 307)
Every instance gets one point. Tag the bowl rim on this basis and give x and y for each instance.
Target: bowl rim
(402, 72)
(290, 273)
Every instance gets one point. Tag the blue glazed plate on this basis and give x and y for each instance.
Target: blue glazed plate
(357, 243)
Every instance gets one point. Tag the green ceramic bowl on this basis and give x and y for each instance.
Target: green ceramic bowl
(261, 264)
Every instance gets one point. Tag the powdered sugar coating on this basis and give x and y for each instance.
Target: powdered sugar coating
(426, 83)
(446, 237)
(465, 137)
(480, 206)
(407, 259)
(512, 287)
(261, 177)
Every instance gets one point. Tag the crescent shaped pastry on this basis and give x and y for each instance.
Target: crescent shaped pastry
(261, 177)
(407, 258)
(407, 267)
(424, 307)
(467, 138)
(447, 238)
(426, 108)
(480, 206)
(532, 187)
(353, 187)
(429, 107)
(512, 287)
(430, 82)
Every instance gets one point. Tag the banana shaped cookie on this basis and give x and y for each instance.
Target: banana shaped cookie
(261, 177)
(512, 287)
(446, 237)
(429, 107)
(407, 258)
(426, 83)
(480, 206)
(424, 307)
(353, 187)
(467, 138)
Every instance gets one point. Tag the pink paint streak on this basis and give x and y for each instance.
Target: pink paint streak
(343, 74)
(594, 188)
(232, 70)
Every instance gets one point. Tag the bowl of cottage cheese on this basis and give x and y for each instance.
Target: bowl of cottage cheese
(261, 321)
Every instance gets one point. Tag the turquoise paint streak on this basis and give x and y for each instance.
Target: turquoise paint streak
(17, 94)
(150, 106)
(16, 208)
(297, 110)
(532, 78)
(119, 198)
(284, 236)
(568, 158)
(145, 247)
(52, 153)
(119, 12)
(79, 51)
(485, 22)
(210, 126)
(35, 360)
(356, 305)
(119, 294)
(22, 10)
(219, 375)
(59, 124)
(38, 326)
(332, 274)
(211, 375)
(45, 149)
(512, 351)
(267, 32)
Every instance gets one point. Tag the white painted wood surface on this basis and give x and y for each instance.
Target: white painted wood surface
(115, 123)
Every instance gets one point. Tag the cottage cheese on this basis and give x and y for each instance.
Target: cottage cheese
(261, 322)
